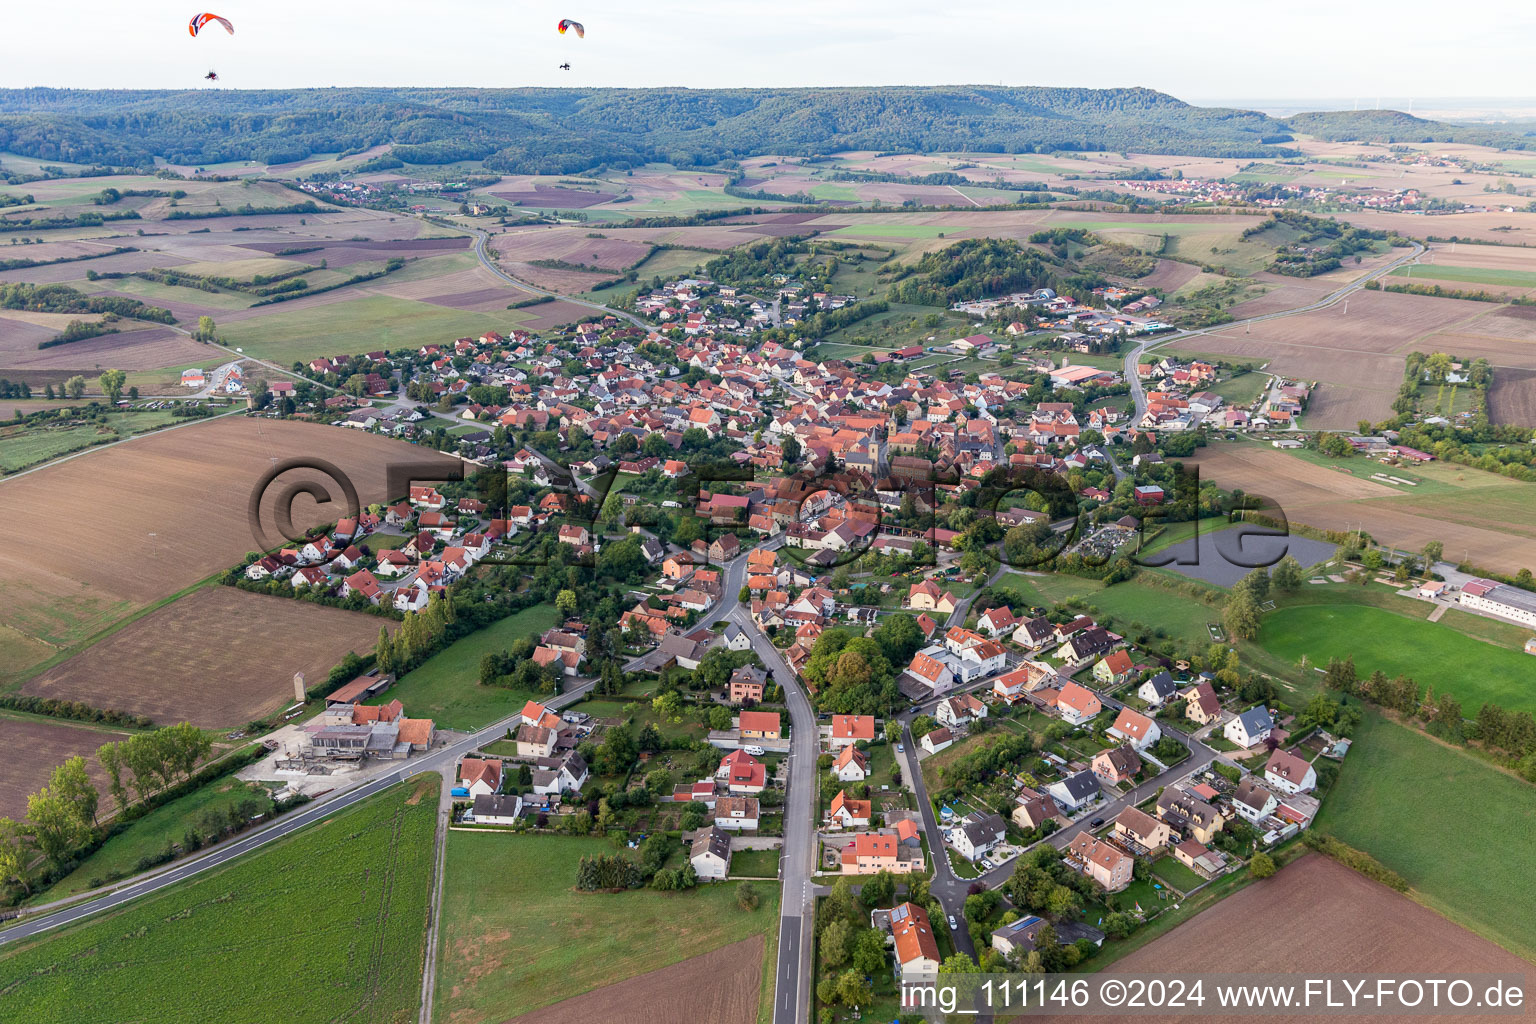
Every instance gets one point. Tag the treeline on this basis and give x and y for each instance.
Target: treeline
(1509, 733)
(89, 219)
(394, 264)
(308, 206)
(109, 196)
(78, 330)
(60, 298)
(27, 264)
(1440, 291)
(61, 823)
(73, 709)
(1322, 245)
(260, 285)
(562, 131)
(1361, 861)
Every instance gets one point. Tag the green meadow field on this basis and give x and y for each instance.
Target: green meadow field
(1459, 830)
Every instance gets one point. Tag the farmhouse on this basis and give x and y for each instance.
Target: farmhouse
(849, 729)
(1034, 633)
(869, 853)
(1252, 801)
(742, 773)
(736, 812)
(1201, 703)
(847, 812)
(1018, 937)
(1087, 643)
(1075, 791)
(480, 775)
(1113, 668)
(960, 709)
(1158, 689)
(1139, 829)
(758, 725)
(747, 685)
(937, 740)
(1033, 810)
(978, 833)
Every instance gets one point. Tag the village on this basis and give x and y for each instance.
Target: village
(822, 680)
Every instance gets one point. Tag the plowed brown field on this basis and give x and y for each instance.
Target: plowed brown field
(1335, 921)
(94, 537)
(716, 988)
(217, 658)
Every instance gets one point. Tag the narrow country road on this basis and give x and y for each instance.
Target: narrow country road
(441, 759)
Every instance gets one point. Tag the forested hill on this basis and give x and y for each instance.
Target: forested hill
(1384, 126)
(568, 130)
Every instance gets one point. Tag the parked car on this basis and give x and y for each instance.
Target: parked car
(1096, 822)
(901, 748)
(952, 926)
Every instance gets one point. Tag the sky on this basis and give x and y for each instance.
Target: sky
(1199, 50)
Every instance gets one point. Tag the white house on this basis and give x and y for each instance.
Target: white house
(977, 834)
(851, 765)
(959, 709)
(1286, 773)
(497, 809)
(1158, 689)
(1253, 801)
(736, 812)
(1135, 728)
(1075, 791)
(1249, 728)
(710, 853)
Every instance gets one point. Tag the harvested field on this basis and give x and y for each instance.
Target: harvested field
(1513, 397)
(571, 245)
(218, 657)
(149, 348)
(1170, 275)
(1335, 499)
(403, 244)
(34, 748)
(1337, 922)
(1377, 323)
(716, 988)
(554, 198)
(122, 263)
(1340, 407)
(186, 520)
(569, 282)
